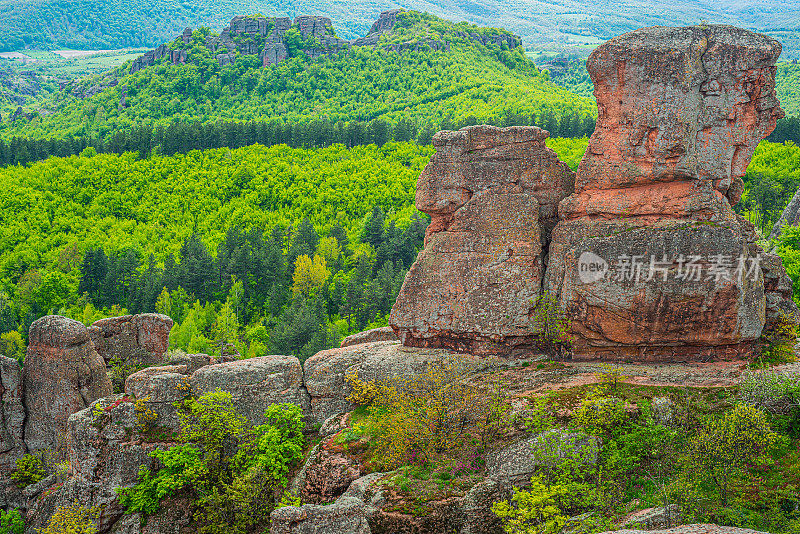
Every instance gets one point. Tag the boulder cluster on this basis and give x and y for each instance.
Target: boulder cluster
(648, 260)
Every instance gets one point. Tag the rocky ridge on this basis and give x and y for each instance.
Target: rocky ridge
(266, 37)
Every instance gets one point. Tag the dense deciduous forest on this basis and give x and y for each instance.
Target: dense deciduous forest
(303, 245)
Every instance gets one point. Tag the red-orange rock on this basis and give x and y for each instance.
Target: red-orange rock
(492, 195)
(681, 111)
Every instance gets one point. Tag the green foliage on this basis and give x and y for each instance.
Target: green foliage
(11, 522)
(469, 83)
(29, 470)
(72, 519)
(551, 323)
(12, 345)
(778, 343)
(532, 511)
(774, 392)
(232, 470)
(430, 416)
(725, 447)
(787, 81)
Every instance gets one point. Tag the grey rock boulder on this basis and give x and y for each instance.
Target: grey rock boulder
(255, 384)
(12, 414)
(346, 516)
(384, 333)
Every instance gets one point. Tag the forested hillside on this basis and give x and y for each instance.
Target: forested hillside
(568, 25)
(462, 82)
(305, 245)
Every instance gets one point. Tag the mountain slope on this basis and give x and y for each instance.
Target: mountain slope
(420, 68)
(543, 24)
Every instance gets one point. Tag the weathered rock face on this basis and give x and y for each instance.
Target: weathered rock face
(12, 413)
(492, 195)
(384, 333)
(325, 371)
(63, 374)
(105, 453)
(255, 384)
(649, 257)
(141, 339)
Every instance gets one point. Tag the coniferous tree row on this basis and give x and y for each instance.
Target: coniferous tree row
(182, 137)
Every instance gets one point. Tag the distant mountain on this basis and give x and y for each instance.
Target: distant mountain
(544, 25)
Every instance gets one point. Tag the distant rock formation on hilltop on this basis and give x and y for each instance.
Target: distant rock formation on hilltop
(265, 37)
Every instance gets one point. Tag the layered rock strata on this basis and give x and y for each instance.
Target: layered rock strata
(648, 257)
(492, 194)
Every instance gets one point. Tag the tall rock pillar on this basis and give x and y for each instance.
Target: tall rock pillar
(649, 257)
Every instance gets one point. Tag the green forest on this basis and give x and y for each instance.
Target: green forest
(330, 232)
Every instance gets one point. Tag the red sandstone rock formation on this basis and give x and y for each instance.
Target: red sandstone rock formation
(681, 111)
(63, 374)
(492, 195)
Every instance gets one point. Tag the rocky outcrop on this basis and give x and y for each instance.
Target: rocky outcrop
(12, 413)
(384, 333)
(141, 339)
(386, 22)
(255, 384)
(149, 59)
(346, 516)
(63, 374)
(325, 371)
(492, 194)
(648, 257)
(105, 452)
(789, 217)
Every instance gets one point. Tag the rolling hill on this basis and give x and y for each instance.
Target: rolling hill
(415, 68)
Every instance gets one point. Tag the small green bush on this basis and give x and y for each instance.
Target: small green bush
(30, 470)
(11, 522)
(727, 446)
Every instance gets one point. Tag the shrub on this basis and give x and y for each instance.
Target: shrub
(778, 343)
(725, 447)
(233, 470)
(532, 511)
(552, 324)
(770, 391)
(600, 414)
(30, 470)
(73, 519)
(120, 370)
(11, 522)
(432, 414)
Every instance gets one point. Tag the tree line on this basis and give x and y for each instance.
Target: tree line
(182, 137)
